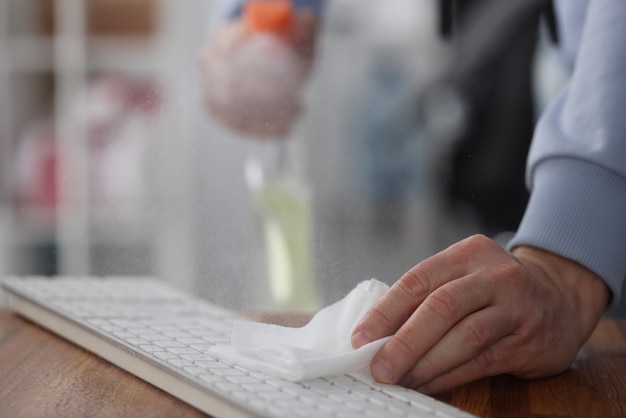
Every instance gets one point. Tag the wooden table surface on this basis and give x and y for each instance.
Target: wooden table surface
(42, 375)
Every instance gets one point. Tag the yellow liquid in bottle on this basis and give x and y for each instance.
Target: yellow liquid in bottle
(286, 223)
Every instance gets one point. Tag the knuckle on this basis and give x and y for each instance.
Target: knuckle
(377, 315)
(512, 274)
(477, 243)
(475, 335)
(512, 269)
(443, 304)
(403, 349)
(485, 359)
(428, 366)
(415, 283)
(473, 248)
(507, 356)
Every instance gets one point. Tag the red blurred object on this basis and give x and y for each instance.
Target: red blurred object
(37, 168)
(116, 106)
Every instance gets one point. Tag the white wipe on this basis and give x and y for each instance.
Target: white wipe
(320, 348)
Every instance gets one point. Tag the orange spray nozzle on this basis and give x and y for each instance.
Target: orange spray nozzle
(268, 16)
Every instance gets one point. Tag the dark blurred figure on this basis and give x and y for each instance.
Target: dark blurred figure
(495, 44)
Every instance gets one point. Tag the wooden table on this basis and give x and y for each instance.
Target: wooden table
(43, 375)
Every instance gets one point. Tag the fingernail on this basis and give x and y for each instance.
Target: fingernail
(360, 339)
(381, 370)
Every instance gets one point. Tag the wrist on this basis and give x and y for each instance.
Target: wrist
(585, 291)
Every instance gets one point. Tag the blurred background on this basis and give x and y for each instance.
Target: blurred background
(410, 140)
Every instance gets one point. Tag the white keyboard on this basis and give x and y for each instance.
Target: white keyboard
(161, 335)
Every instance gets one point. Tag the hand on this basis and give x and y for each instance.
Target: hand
(252, 103)
(476, 310)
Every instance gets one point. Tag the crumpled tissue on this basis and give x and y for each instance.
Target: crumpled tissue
(321, 348)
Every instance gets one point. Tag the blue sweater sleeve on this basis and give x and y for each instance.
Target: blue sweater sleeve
(577, 163)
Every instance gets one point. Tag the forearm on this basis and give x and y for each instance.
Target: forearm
(576, 169)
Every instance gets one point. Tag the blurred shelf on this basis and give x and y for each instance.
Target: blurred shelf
(48, 51)
(134, 55)
(130, 18)
(35, 226)
(27, 54)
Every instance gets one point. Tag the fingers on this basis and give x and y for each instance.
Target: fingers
(438, 314)
(305, 34)
(486, 363)
(428, 310)
(511, 354)
(399, 303)
(221, 44)
(450, 361)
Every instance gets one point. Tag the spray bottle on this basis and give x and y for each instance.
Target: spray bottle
(274, 168)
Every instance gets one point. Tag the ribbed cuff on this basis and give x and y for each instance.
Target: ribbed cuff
(578, 210)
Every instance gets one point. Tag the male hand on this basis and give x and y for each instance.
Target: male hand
(476, 310)
(251, 102)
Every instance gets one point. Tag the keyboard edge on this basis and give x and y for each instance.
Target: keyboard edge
(148, 371)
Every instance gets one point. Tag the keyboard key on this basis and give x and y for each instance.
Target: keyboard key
(165, 356)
